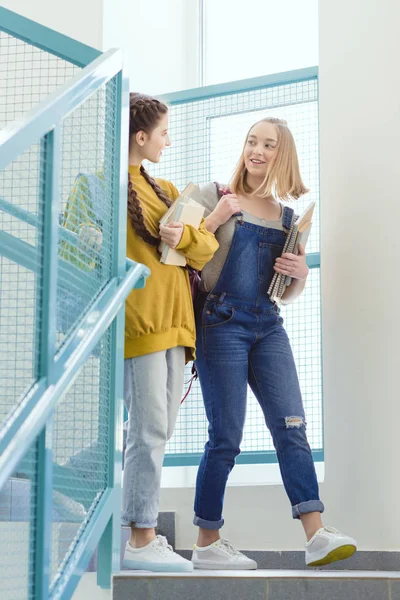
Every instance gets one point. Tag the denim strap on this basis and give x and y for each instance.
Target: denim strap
(287, 218)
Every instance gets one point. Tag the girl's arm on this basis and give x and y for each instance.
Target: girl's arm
(197, 245)
(224, 210)
(294, 265)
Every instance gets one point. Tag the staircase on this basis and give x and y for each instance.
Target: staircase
(259, 585)
(280, 576)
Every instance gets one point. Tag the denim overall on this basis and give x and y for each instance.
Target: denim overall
(241, 340)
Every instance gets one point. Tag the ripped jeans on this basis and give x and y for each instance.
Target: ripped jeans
(240, 344)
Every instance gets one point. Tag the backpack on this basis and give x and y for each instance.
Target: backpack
(85, 206)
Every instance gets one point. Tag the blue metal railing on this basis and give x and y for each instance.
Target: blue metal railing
(30, 423)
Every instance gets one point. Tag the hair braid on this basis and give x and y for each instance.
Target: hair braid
(136, 214)
(144, 114)
(158, 191)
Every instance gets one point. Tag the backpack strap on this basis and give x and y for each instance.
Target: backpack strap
(222, 189)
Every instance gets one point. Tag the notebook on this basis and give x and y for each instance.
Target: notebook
(298, 234)
(186, 210)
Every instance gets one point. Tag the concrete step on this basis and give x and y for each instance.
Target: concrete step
(258, 585)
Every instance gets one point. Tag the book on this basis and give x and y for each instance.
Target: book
(298, 234)
(186, 210)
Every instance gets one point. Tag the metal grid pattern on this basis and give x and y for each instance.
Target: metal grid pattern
(87, 258)
(80, 430)
(20, 185)
(207, 138)
(87, 168)
(80, 452)
(28, 75)
(18, 503)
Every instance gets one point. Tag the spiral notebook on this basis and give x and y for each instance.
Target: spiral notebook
(298, 234)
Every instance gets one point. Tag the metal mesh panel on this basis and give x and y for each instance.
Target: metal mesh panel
(80, 444)
(17, 523)
(27, 76)
(207, 138)
(82, 420)
(87, 170)
(20, 185)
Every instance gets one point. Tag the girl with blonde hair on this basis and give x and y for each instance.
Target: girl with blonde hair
(241, 341)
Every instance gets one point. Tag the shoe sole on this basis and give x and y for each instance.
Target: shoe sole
(214, 567)
(137, 565)
(340, 553)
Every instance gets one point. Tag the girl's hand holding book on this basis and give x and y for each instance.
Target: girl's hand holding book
(294, 265)
(171, 234)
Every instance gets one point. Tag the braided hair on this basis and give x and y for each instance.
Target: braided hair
(144, 114)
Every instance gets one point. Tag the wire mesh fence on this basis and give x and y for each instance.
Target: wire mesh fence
(207, 137)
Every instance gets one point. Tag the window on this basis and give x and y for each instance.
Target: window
(207, 134)
(250, 39)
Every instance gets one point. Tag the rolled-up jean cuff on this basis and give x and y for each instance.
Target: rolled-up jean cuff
(207, 524)
(307, 507)
(136, 525)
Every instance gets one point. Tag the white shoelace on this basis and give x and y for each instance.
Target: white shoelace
(163, 547)
(330, 530)
(228, 547)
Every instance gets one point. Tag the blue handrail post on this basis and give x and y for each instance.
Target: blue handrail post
(46, 327)
(109, 548)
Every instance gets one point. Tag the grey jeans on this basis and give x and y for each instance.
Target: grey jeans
(153, 391)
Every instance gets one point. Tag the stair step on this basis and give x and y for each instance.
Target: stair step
(258, 585)
(363, 560)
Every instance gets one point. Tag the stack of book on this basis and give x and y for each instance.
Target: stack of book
(185, 209)
(298, 234)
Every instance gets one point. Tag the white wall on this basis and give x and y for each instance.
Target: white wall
(360, 126)
(161, 44)
(160, 40)
(81, 20)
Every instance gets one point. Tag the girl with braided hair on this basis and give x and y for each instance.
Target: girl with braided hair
(159, 335)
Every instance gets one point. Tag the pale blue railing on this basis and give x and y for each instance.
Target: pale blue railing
(61, 398)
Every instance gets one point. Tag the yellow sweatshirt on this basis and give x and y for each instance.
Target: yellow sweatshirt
(160, 315)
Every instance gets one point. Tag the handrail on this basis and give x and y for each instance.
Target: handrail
(30, 417)
(241, 85)
(19, 135)
(27, 217)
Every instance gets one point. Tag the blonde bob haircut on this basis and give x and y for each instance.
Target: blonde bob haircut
(283, 179)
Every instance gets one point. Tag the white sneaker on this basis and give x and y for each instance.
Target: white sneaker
(221, 555)
(156, 556)
(328, 545)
